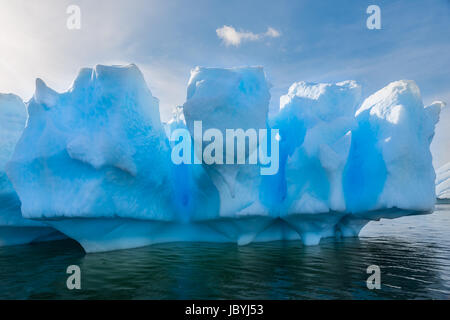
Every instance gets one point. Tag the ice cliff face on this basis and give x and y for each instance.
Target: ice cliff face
(99, 150)
(391, 164)
(224, 99)
(96, 163)
(13, 116)
(315, 123)
(13, 228)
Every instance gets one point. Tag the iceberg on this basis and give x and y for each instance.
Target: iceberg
(14, 229)
(96, 162)
(443, 182)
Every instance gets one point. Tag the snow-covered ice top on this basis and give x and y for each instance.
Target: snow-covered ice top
(227, 98)
(322, 101)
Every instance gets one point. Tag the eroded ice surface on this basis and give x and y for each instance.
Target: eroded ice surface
(230, 99)
(315, 123)
(13, 116)
(95, 161)
(391, 163)
(99, 150)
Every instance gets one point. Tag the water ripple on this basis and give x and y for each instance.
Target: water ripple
(412, 253)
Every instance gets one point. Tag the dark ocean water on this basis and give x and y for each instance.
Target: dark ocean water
(412, 252)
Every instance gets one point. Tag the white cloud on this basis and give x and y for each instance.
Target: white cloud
(231, 37)
(272, 33)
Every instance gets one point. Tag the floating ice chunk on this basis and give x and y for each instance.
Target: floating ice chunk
(440, 146)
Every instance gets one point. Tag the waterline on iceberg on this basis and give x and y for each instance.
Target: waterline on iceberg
(109, 234)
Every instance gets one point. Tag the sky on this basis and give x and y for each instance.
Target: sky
(310, 40)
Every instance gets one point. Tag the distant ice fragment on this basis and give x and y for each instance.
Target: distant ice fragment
(443, 182)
